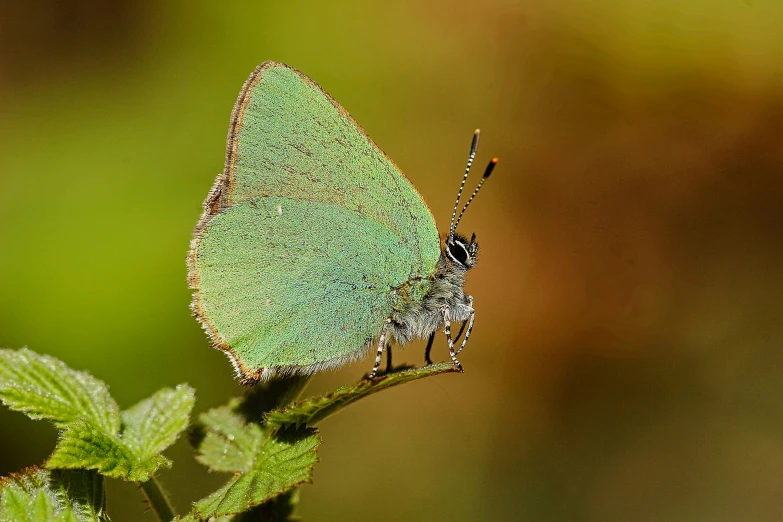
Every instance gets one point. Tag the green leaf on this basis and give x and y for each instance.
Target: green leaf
(313, 410)
(83, 446)
(95, 435)
(276, 465)
(154, 424)
(38, 495)
(190, 517)
(149, 427)
(232, 438)
(229, 444)
(45, 388)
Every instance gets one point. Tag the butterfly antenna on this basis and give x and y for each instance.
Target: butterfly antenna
(473, 147)
(487, 172)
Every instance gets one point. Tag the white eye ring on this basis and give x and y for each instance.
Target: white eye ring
(467, 257)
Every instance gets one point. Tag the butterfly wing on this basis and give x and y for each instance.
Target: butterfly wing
(305, 235)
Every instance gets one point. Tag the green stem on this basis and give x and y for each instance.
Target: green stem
(158, 499)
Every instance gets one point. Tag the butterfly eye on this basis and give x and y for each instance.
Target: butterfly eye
(458, 253)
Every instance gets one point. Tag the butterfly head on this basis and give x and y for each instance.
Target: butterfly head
(458, 249)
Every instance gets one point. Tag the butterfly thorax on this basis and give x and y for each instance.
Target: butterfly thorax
(421, 300)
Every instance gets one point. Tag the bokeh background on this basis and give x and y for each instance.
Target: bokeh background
(626, 362)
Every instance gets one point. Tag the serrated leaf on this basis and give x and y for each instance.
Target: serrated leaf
(279, 464)
(229, 443)
(38, 495)
(81, 445)
(311, 411)
(45, 388)
(191, 518)
(154, 424)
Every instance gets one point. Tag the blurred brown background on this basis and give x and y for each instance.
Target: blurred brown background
(626, 361)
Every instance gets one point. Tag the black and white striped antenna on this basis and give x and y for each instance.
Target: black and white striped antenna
(487, 172)
(473, 147)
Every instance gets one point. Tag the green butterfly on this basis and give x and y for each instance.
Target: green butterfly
(313, 246)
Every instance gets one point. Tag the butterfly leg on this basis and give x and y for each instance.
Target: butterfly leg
(467, 334)
(447, 331)
(429, 348)
(461, 330)
(381, 344)
(388, 358)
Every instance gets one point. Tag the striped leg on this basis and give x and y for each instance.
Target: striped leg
(470, 325)
(428, 349)
(447, 331)
(381, 344)
(467, 334)
(461, 331)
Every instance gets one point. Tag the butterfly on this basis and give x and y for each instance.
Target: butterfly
(313, 247)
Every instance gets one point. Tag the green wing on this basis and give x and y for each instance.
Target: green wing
(306, 233)
(290, 283)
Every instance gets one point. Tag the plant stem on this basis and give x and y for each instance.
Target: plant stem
(158, 499)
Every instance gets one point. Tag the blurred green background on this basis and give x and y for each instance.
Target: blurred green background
(626, 360)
